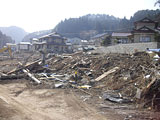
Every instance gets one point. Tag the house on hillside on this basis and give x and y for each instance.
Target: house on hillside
(52, 42)
(122, 37)
(145, 30)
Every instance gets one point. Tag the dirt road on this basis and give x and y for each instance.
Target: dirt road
(18, 103)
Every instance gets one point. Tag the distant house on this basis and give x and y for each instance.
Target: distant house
(37, 45)
(24, 46)
(97, 39)
(53, 42)
(145, 30)
(120, 37)
(74, 41)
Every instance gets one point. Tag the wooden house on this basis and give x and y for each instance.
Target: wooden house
(54, 42)
(145, 30)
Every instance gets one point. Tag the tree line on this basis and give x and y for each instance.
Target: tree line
(89, 25)
(5, 39)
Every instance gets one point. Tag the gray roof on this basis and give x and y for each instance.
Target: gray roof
(39, 43)
(118, 34)
(54, 34)
(99, 35)
(25, 43)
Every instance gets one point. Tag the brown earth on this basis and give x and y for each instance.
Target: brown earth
(18, 103)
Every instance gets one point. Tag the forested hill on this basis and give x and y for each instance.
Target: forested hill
(16, 33)
(5, 39)
(91, 24)
(37, 34)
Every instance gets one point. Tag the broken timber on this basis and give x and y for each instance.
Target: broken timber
(26, 71)
(11, 77)
(23, 67)
(106, 73)
(31, 76)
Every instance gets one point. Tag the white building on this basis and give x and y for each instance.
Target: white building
(24, 46)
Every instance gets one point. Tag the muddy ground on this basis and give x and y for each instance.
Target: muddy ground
(20, 101)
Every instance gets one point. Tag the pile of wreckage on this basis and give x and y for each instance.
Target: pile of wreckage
(120, 78)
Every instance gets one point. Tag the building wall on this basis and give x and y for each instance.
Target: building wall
(138, 35)
(24, 47)
(114, 39)
(127, 48)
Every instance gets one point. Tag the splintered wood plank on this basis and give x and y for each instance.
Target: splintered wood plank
(106, 73)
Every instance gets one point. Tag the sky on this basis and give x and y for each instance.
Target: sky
(35, 15)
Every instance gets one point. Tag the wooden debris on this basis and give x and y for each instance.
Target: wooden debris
(107, 73)
(23, 67)
(11, 77)
(81, 90)
(3, 74)
(31, 76)
(26, 71)
(146, 90)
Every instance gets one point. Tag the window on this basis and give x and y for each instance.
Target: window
(145, 39)
(123, 40)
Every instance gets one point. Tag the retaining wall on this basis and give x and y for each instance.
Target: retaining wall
(128, 48)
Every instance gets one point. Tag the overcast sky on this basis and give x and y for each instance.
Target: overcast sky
(35, 15)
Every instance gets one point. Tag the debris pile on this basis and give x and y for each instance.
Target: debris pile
(131, 76)
(120, 78)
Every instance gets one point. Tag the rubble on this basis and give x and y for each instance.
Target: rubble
(115, 98)
(122, 72)
(135, 78)
(106, 73)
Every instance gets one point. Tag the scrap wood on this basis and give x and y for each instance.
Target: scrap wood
(106, 73)
(26, 60)
(76, 53)
(99, 86)
(11, 77)
(81, 90)
(31, 76)
(26, 71)
(84, 68)
(147, 89)
(151, 83)
(85, 91)
(49, 69)
(46, 78)
(3, 74)
(22, 67)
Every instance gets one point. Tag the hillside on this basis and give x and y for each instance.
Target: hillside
(16, 33)
(89, 25)
(37, 34)
(4, 39)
